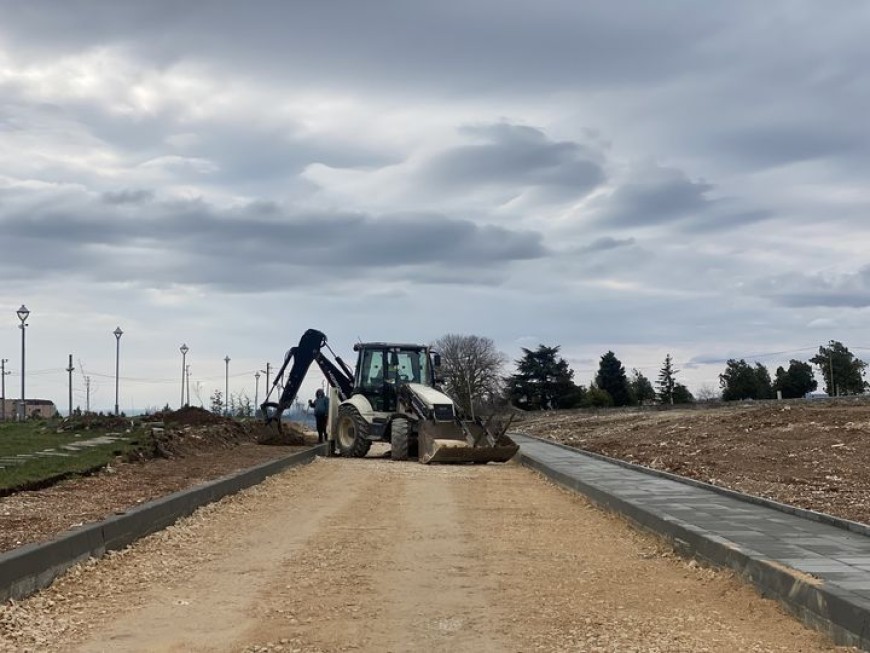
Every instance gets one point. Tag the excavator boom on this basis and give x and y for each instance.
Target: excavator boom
(308, 351)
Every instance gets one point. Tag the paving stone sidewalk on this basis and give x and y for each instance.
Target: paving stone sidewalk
(820, 571)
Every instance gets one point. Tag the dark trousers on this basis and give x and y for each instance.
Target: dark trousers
(321, 427)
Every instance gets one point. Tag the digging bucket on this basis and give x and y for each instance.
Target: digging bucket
(468, 442)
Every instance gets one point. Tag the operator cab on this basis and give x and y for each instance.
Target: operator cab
(382, 367)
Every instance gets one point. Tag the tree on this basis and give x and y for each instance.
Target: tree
(667, 381)
(796, 381)
(598, 398)
(640, 388)
(742, 381)
(682, 395)
(707, 393)
(838, 362)
(472, 369)
(217, 402)
(241, 405)
(543, 380)
(611, 378)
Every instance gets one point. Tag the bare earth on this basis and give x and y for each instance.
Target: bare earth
(374, 555)
(811, 454)
(39, 515)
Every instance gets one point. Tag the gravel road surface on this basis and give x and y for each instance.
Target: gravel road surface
(374, 555)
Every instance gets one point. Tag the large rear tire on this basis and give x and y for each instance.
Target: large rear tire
(400, 435)
(352, 433)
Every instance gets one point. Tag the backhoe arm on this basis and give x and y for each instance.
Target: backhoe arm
(308, 351)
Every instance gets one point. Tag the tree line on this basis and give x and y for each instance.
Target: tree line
(544, 380)
(473, 375)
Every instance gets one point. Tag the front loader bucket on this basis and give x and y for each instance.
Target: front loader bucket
(462, 442)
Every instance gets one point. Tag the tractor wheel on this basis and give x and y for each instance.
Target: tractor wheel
(352, 432)
(399, 438)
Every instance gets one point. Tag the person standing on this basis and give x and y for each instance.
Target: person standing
(320, 404)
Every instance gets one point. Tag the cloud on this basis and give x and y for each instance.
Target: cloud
(196, 243)
(516, 157)
(606, 244)
(653, 195)
(128, 196)
(799, 290)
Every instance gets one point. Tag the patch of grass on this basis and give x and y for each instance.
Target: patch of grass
(41, 471)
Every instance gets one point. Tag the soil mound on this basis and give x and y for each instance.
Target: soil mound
(191, 416)
(290, 434)
(90, 421)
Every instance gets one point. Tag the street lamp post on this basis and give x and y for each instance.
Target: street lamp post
(188, 385)
(22, 313)
(227, 387)
(3, 374)
(256, 392)
(184, 349)
(118, 333)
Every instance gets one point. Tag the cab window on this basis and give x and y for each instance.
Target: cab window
(372, 370)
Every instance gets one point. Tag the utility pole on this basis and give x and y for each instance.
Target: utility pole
(187, 371)
(831, 368)
(3, 374)
(87, 394)
(227, 387)
(69, 369)
(267, 370)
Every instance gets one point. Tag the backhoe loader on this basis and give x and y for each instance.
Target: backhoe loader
(391, 396)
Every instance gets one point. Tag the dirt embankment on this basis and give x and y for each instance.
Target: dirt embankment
(808, 454)
(181, 449)
(191, 430)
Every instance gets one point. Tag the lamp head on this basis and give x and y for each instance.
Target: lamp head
(184, 349)
(22, 313)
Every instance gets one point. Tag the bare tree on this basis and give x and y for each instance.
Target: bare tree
(472, 369)
(707, 393)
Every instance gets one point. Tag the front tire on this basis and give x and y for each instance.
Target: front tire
(353, 430)
(400, 429)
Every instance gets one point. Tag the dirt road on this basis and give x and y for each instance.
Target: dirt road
(374, 555)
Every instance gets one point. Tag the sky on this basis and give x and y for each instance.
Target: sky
(646, 178)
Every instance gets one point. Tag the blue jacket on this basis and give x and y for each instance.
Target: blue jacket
(321, 405)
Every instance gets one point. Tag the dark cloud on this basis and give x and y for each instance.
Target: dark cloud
(807, 290)
(516, 156)
(453, 45)
(128, 196)
(653, 195)
(192, 242)
(606, 244)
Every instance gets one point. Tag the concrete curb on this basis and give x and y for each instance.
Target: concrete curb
(34, 566)
(828, 609)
